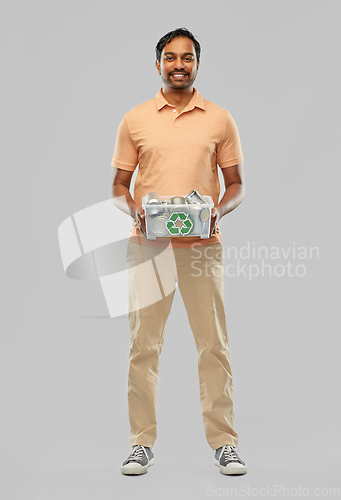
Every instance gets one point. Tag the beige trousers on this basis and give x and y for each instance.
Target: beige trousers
(199, 272)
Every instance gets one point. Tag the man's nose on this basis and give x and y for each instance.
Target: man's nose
(178, 64)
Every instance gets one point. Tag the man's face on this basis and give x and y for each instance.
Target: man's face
(178, 66)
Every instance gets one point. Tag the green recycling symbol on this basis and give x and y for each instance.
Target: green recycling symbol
(184, 218)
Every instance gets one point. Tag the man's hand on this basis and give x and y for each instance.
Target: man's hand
(122, 198)
(140, 218)
(215, 218)
(233, 196)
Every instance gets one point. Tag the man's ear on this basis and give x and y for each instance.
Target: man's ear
(157, 65)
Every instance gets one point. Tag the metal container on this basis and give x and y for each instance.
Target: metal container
(204, 214)
(194, 197)
(153, 198)
(177, 200)
(158, 226)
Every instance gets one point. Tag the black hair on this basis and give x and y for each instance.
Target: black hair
(172, 34)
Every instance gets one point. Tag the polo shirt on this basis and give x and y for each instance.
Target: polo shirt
(177, 152)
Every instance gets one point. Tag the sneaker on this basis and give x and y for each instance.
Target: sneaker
(227, 459)
(140, 458)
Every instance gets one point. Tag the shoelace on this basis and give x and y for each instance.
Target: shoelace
(137, 453)
(230, 453)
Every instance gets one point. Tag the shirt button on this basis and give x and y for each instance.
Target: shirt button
(176, 119)
(174, 110)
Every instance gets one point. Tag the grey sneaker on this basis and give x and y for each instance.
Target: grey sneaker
(227, 459)
(140, 458)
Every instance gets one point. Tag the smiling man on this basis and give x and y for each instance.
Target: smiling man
(178, 139)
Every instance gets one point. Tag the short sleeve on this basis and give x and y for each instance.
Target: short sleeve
(229, 150)
(125, 154)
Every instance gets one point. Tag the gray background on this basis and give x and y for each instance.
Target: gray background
(70, 72)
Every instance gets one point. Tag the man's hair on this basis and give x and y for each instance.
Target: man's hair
(175, 33)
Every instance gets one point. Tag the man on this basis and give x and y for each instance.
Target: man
(178, 139)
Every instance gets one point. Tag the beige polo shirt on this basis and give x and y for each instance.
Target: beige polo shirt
(177, 152)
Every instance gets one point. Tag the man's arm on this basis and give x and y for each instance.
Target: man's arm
(122, 199)
(233, 196)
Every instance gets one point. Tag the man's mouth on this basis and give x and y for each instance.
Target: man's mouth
(178, 76)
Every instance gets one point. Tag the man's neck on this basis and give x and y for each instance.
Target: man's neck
(178, 98)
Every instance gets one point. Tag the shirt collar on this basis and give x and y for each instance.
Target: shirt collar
(196, 101)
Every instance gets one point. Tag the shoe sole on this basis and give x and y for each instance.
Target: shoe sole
(136, 470)
(231, 469)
